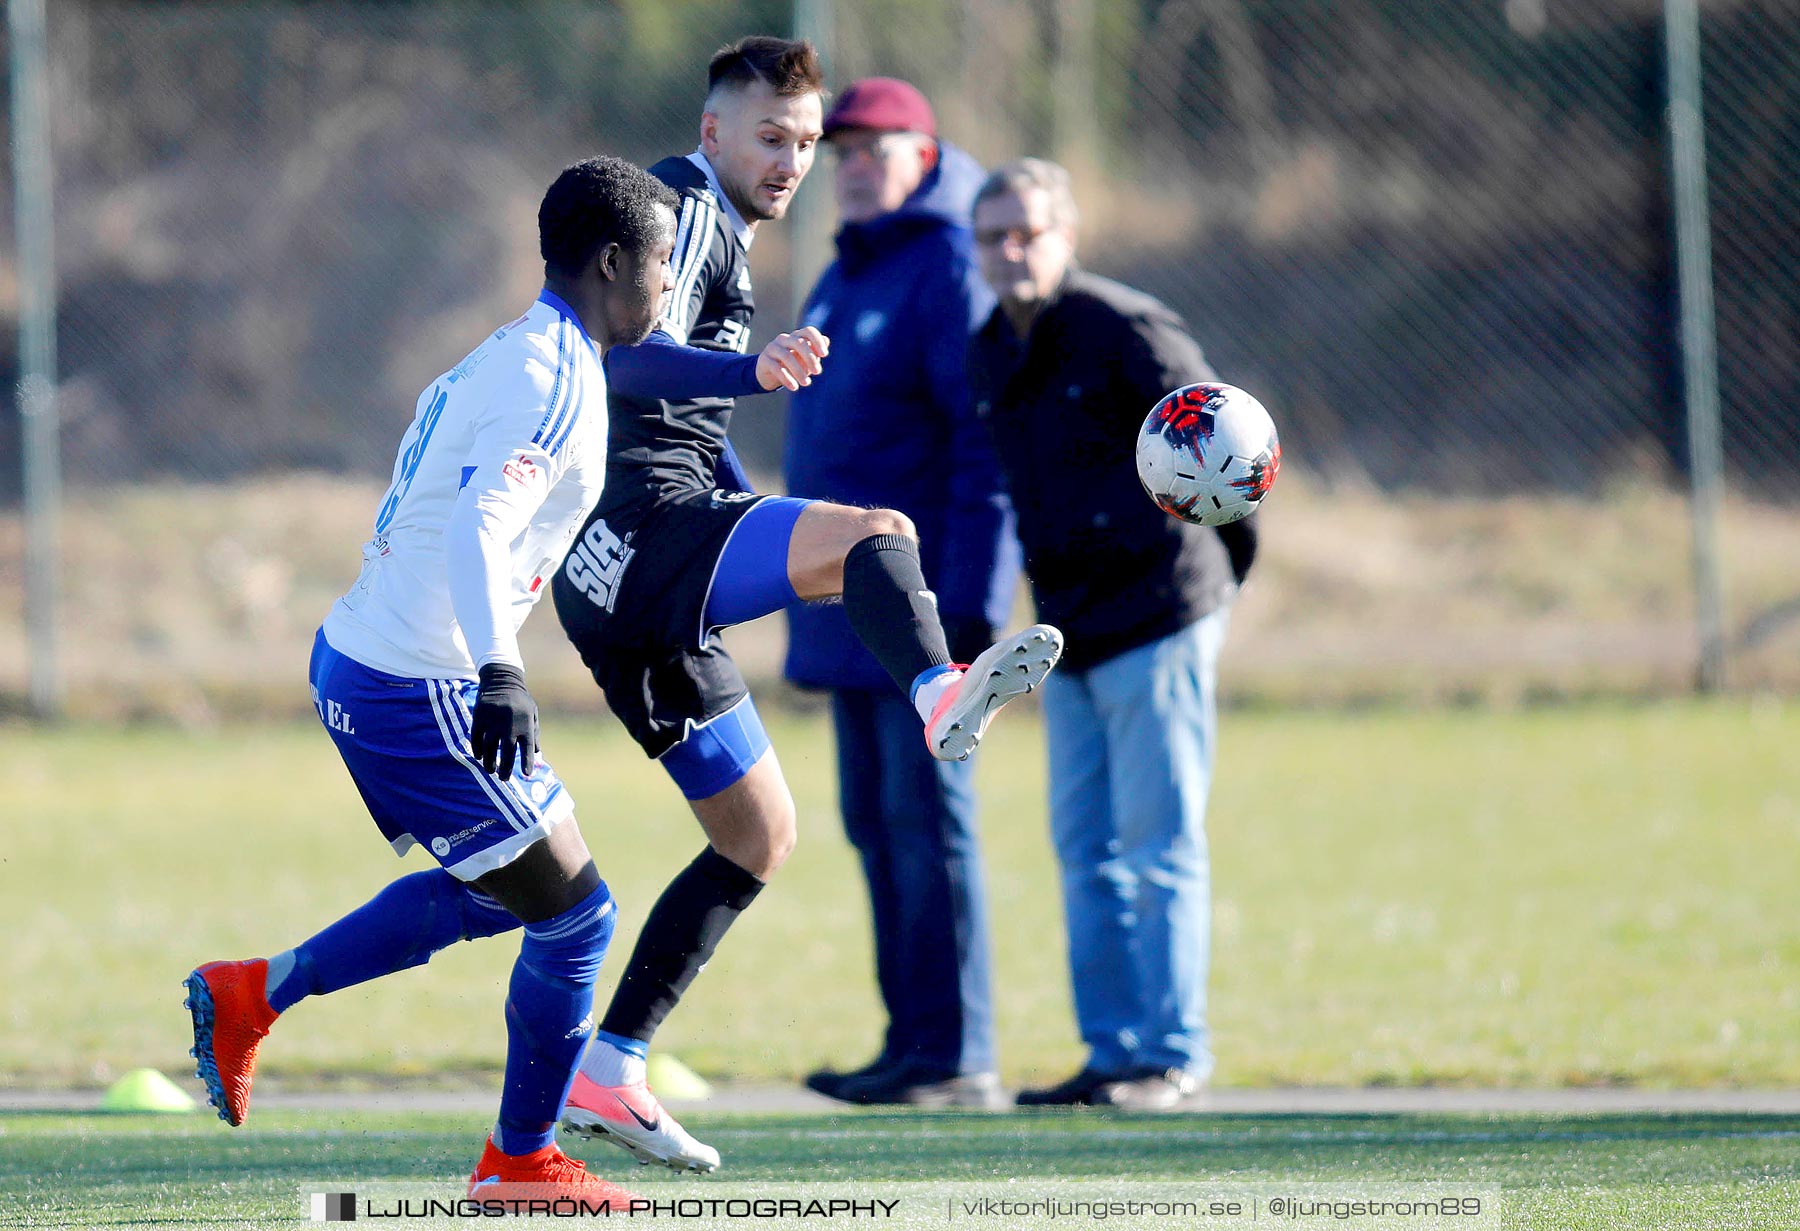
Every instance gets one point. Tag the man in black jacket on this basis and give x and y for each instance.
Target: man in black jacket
(1064, 371)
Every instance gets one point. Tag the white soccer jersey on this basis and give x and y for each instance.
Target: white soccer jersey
(501, 466)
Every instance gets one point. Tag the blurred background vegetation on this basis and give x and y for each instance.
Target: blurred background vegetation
(1434, 239)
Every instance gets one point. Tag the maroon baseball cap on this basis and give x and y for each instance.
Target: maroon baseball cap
(884, 103)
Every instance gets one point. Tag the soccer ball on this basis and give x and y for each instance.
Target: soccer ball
(1208, 454)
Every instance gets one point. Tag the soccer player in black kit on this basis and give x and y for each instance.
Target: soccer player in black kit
(679, 548)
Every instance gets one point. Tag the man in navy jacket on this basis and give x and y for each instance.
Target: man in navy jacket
(892, 424)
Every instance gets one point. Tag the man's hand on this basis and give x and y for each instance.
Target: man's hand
(792, 359)
(505, 729)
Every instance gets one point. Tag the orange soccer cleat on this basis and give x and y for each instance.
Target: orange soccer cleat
(551, 1175)
(231, 1018)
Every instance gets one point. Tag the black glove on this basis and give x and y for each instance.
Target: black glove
(967, 637)
(506, 722)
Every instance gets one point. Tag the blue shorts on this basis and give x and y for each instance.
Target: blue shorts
(406, 745)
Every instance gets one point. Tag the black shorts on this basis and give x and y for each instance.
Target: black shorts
(632, 597)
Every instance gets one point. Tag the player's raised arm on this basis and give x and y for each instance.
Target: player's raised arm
(661, 367)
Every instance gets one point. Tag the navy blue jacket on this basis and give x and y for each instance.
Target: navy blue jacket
(891, 422)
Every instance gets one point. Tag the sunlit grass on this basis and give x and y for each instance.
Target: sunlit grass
(1573, 895)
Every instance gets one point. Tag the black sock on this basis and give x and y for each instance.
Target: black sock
(679, 937)
(891, 608)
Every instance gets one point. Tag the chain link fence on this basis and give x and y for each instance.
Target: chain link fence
(276, 222)
(1435, 239)
(1436, 236)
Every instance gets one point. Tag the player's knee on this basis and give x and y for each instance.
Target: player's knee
(479, 915)
(872, 522)
(782, 835)
(759, 838)
(569, 947)
(437, 910)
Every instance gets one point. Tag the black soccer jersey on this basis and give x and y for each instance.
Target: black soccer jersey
(658, 449)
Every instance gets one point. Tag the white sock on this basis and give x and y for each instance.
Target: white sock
(926, 699)
(279, 968)
(606, 1065)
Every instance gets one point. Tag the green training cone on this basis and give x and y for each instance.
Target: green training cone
(672, 1079)
(145, 1090)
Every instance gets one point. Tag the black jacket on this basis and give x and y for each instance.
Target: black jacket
(1108, 567)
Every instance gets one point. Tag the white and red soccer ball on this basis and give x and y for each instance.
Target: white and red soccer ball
(1208, 454)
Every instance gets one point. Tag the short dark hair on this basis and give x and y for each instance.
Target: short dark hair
(596, 202)
(787, 66)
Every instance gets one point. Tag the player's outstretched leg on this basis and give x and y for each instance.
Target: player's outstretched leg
(234, 1003)
(871, 557)
(968, 701)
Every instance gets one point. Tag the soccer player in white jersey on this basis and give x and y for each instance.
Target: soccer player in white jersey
(417, 676)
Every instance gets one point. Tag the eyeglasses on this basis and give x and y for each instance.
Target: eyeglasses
(1017, 237)
(879, 148)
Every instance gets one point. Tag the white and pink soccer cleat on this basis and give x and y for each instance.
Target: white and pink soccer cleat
(1009, 668)
(632, 1119)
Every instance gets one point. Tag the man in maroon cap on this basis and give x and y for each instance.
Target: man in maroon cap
(891, 424)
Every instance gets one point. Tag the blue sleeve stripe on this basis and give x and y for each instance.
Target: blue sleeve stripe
(575, 397)
(468, 472)
(571, 408)
(559, 388)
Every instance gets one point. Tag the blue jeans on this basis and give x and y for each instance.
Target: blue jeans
(1131, 757)
(912, 819)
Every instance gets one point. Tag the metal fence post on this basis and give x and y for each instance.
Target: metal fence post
(36, 392)
(809, 229)
(1699, 364)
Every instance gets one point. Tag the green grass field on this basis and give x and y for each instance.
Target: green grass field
(1541, 1172)
(1579, 895)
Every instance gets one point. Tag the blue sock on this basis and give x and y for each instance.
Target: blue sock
(925, 677)
(399, 927)
(548, 1017)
